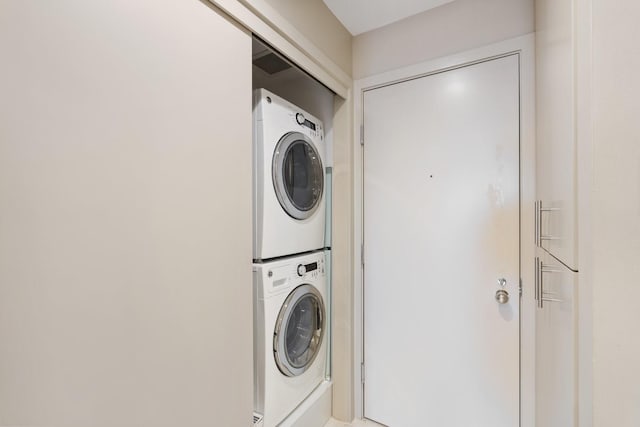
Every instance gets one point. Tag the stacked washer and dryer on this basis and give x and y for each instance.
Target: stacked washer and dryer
(289, 267)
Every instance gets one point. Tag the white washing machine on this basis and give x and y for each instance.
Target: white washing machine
(289, 178)
(290, 343)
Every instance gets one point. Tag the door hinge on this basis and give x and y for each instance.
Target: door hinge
(362, 373)
(520, 288)
(361, 134)
(362, 254)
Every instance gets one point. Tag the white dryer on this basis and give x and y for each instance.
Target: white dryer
(289, 178)
(290, 322)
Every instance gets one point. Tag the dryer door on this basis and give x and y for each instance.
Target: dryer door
(298, 175)
(299, 330)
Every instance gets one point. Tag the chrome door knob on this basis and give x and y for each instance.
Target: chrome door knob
(502, 296)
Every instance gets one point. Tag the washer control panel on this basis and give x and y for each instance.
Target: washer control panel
(308, 268)
(312, 268)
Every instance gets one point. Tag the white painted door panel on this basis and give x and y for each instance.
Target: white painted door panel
(125, 224)
(441, 215)
(555, 140)
(555, 344)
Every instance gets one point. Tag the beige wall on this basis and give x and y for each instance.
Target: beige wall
(342, 245)
(451, 28)
(125, 224)
(315, 21)
(615, 207)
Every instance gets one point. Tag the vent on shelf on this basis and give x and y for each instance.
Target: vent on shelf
(257, 419)
(271, 63)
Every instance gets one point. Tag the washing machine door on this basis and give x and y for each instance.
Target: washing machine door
(298, 175)
(299, 330)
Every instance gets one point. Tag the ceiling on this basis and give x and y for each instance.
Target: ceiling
(360, 16)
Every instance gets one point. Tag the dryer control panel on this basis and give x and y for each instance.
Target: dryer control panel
(315, 129)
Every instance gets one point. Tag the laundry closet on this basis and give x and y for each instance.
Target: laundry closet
(292, 141)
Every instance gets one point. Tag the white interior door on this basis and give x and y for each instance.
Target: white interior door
(441, 215)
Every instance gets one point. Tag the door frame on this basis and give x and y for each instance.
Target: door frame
(525, 48)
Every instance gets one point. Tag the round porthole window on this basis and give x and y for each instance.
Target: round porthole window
(299, 330)
(298, 175)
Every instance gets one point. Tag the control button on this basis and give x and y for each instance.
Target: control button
(301, 270)
(300, 119)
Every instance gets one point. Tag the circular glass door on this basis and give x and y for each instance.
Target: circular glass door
(299, 330)
(298, 175)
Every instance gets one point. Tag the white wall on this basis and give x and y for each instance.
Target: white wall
(125, 215)
(615, 193)
(451, 28)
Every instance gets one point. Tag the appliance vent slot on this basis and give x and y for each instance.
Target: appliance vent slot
(257, 418)
(279, 282)
(271, 63)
